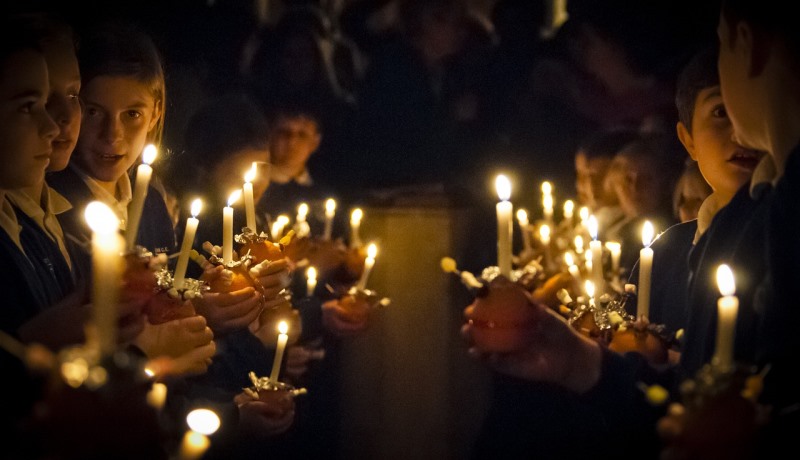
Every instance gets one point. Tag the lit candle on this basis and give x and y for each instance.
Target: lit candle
(107, 268)
(596, 248)
(278, 226)
(547, 201)
(504, 220)
(583, 213)
(355, 225)
(227, 228)
(727, 309)
(544, 237)
(522, 218)
(616, 252)
(157, 395)
(283, 328)
(143, 174)
(249, 203)
(311, 284)
(186, 245)
(372, 251)
(589, 287)
(578, 244)
(569, 209)
(330, 211)
(645, 269)
(301, 224)
(202, 423)
(573, 269)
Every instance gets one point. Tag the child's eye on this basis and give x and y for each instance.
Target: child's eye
(719, 112)
(27, 107)
(134, 114)
(92, 112)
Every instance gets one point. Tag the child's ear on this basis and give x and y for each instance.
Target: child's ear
(686, 139)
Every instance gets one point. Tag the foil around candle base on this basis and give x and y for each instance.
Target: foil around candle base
(265, 384)
(192, 288)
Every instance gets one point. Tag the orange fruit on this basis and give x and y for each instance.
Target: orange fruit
(240, 279)
(501, 318)
(162, 308)
(261, 251)
(650, 345)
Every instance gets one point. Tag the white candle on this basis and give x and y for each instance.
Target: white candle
(249, 202)
(578, 244)
(583, 213)
(186, 245)
(596, 248)
(143, 174)
(278, 226)
(547, 204)
(645, 269)
(544, 237)
(504, 221)
(589, 287)
(615, 249)
(202, 422)
(355, 225)
(372, 251)
(107, 269)
(157, 395)
(311, 284)
(301, 224)
(227, 227)
(573, 269)
(283, 328)
(569, 209)
(522, 218)
(330, 211)
(727, 310)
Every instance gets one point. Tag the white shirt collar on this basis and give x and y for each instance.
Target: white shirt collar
(120, 206)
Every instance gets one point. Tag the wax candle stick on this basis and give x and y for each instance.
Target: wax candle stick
(227, 227)
(355, 226)
(330, 211)
(544, 237)
(547, 202)
(278, 226)
(157, 395)
(301, 225)
(186, 245)
(249, 202)
(727, 310)
(283, 328)
(596, 248)
(311, 283)
(504, 230)
(143, 174)
(107, 269)
(589, 287)
(524, 224)
(645, 269)
(372, 251)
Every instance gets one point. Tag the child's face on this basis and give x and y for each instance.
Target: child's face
(118, 114)
(26, 130)
(590, 175)
(62, 102)
(725, 165)
(292, 142)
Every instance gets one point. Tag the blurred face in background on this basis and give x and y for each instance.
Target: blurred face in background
(589, 184)
(292, 142)
(63, 104)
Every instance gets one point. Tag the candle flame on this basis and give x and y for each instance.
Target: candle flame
(547, 188)
(544, 232)
(579, 243)
(584, 213)
(149, 154)
(614, 247)
(547, 202)
(330, 206)
(372, 251)
(197, 205)
(355, 216)
(503, 186)
(311, 273)
(569, 208)
(250, 175)
(101, 218)
(149, 372)
(522, 217)
(283, 219)
(302, 211)
(589, 287)
(234, 197)
(725, 280)
(593, 227)
(283, 327)
(204, 421)
(568, 259)
(647, 233)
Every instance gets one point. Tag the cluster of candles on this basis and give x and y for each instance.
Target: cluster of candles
(727, 305)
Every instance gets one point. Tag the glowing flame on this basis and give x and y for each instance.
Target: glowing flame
(547, 188)
(283, 327)
(647, 233)
(584, 214)
(149, 154)
(372, 251)
(522, 217)
(250, 175)
(579, 243)
(330, 206)
(544, 232)
(503, 186)
(197, 205)
(356, 216)
(101, 218)
(311, 273)
(569, 208)
(203, 421)
(589, 287)
(568, 259)
(614, 247)
(725, 280)
(283, 219)
(302, 211)
(234, 197)
(593, 226)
